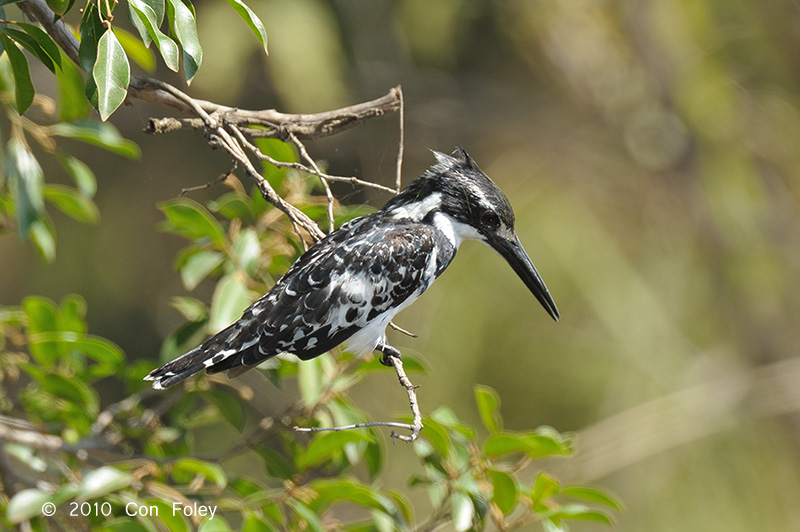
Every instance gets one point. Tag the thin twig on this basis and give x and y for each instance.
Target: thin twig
(415, 426)
(304, 153)
(299, 166)
(401, 146)
(399, 329)
(19, 431)
(218, 181)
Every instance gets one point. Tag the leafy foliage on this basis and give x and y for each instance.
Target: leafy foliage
(473, 478)
(128, 463)
(105, 54)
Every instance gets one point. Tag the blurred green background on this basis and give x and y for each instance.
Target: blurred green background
(651, 150)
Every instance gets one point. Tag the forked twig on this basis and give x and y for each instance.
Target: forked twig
(331, 200)
(415, 426)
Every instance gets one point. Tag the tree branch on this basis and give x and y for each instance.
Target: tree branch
(19, 431)
(277, 124)
(225, 125)
(415, 426)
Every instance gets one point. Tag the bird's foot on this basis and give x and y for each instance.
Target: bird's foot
(388, 351)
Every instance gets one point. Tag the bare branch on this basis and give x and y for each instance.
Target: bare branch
(304, 154)
(399, 329)
(401, 145)
(415, 426)
(18, 431)
(299, 166)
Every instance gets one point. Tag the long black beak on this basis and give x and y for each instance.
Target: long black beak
(518, 259)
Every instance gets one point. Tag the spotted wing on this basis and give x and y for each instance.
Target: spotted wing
(338, 290)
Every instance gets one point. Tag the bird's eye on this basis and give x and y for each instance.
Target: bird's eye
(490, 219)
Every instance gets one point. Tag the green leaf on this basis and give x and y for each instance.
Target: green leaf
(31, 44)
(280, 151)
(190, 219)
(248, 250)
(228, 302)
(332, 490)
(197, 266)
(533, 444)
(437, 435)
(45, 42)
(41, 314)
(72, 390)
(448, 419)
(313, 521)
(97, 348)
(174, 522)
(581, 512)
(592, 494)
(102, 351)
(72, 315)
(227, 406)
(462, 511)
(276, 463)
(150, 20)
(345, 413)
(122, 524)
(504, 493)
(72, 203)
(544, 487)
(26, 177)
(105, 136)
(90, 30)
(111, 73)
(190, 308)
(26, 504)
(81, 174)
(554, 525)
(26, 455)
(103, 481)
(190, 467)
(326, 445)
(136, 50)
(73, 104)
(234, 205)
(43, 237)
(310, 381)
(252, 20)
(60, 7)
(217, 524)
(489, 407)
(158, 8)
(185, 29)
(255, 523)
(24, 90)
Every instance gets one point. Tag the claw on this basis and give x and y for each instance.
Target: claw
(388, 351)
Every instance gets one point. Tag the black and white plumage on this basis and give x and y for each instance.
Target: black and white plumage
(348, 286)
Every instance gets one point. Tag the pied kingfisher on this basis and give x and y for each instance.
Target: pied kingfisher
(348, 286)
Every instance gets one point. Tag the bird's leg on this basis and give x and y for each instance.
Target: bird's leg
(388, 351)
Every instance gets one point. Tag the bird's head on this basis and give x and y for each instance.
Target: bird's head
(456, 195)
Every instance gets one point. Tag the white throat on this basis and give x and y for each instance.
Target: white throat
(454, 230)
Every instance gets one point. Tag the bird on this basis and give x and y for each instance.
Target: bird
(348, 286)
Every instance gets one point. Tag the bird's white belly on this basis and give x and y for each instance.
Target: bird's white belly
(367, 338)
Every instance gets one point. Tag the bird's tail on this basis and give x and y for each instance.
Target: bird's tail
(222, 351)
